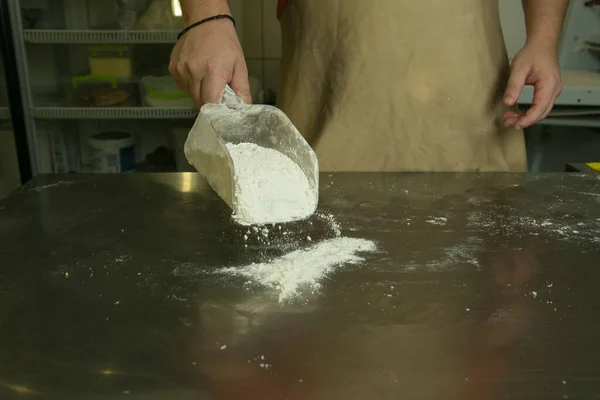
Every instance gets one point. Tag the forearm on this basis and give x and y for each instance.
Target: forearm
(544, 19)
(195, 10)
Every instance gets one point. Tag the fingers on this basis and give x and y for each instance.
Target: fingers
(195, 90)
(534, 65)
(548, 110)
(173, 70)
(203, 83)
(204, 61)
(547, 90)
(205, 87)
(192, 72)
(511, 118)
(208, 87)
(541, 106)
(240, 84)
(213, 85)
(187, 79)
(517, 79)
(557, 92)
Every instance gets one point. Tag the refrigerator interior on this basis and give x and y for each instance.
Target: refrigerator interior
(9, 167)
(100, 66)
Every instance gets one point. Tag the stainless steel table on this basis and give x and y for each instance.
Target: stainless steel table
(485, 286)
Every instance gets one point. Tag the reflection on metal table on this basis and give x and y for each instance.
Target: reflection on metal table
(483, 286)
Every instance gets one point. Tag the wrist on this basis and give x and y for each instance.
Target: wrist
(213, 19)
(543, 42)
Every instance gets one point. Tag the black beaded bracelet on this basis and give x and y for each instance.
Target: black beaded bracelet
(205, 20)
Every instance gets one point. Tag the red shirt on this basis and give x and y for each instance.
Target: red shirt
(282, 4)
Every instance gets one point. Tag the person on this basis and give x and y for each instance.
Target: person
(392, 85)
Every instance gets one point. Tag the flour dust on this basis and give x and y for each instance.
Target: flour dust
(450, 257)
(561, 227)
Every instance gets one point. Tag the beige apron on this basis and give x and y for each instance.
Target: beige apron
(399, 85)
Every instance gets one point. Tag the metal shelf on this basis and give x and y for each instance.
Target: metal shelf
(580, 88)
(98, 36)
(112, 113)
(4, 113)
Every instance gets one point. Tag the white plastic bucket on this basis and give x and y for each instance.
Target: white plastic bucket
(112, 152)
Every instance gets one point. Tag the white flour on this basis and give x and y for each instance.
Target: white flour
(304, 268)
(331, 222)
(437, 220)
(270, 187)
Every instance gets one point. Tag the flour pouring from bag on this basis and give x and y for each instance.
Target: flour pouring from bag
(256, 161)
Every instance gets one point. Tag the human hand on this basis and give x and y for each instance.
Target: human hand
(207, 58)
(535, 65)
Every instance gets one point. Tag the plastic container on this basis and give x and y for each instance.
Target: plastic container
(103, 91)
(63, 154)
(112, 152)
(126, 13)
(178, 145)
(65, 151)
(162, 91)
(112, 60)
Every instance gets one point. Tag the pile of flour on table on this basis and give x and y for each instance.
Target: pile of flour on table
(304, 268)
(269, 186)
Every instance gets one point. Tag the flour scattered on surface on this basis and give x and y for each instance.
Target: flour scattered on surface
(291, 272)
(122, 259)
(331, 222)
(185, 269)
(52, 185)
(450, 257)
(562, 227)
(437, 221)
(269, 186)
(596, 195)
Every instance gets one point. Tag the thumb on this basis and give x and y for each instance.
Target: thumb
(517, 79)
(240, 84)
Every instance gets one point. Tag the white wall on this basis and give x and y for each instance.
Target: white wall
(513, 25)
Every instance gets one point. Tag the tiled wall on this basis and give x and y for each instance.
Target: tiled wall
(260, 35)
